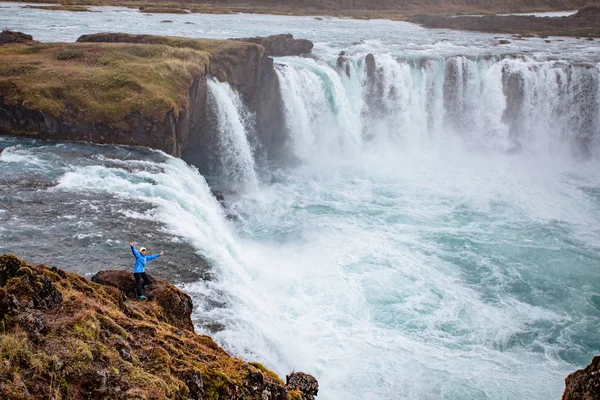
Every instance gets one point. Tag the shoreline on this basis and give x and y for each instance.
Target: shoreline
(389, 13)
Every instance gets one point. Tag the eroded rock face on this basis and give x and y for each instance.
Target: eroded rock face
(176, 304)
(305, 383)
(584, 384)
(281, 45)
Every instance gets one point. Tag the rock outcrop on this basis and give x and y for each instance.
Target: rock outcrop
(584, 384)
(66, 337)
(178, 304)
(8, 36)
(281, 45)
(139, 89)
(306, 384)
(583, 24)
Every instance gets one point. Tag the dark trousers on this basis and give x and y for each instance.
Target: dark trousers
(139, 276)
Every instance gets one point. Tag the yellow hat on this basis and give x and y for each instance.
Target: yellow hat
(142, 249)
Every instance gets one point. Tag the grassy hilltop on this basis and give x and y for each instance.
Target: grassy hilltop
(104, 82)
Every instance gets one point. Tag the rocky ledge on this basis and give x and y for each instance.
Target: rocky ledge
(66, 337)
(584, 384)
(586, 23)
(136, 89)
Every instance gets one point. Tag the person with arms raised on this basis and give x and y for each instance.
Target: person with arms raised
(139, 270)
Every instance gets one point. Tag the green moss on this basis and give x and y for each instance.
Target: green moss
(215, 384)
(89, 328)
(294, 395)
(112, 326)
(80, 355)
(269, 374)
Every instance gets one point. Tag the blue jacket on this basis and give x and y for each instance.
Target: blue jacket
(140, 260)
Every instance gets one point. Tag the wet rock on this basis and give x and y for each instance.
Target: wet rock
(195, 384)
(370, 63)
(176, 304)
(584, 384)
(281, 45)
(166, 21)
(306, 383)
(218, 195)
(343, 62)
(504, 41)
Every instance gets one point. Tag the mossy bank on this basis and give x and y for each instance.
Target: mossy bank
(64, 337)
(134, 89)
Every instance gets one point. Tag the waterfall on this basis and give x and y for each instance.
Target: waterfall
(487, 103)
(234, 124)
(321, 108)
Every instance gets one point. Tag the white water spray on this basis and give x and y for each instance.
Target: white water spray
(234, 124)
(486, 104)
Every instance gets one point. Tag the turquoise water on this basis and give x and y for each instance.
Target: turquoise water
(424, 246)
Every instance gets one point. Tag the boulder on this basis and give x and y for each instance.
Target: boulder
(176, 304)
(371, 67)
(305, 383)
(281, 45)
(343, 62)
(8, 36)
(584, 384)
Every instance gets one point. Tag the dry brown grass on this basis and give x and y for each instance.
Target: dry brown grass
(100, 82)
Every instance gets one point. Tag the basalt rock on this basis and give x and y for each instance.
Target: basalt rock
(176, 305)
(584, 384)
(66, 337)
(305, 383)
(281, 45)
(343, 62)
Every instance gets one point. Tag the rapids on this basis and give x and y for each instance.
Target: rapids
(436, 235)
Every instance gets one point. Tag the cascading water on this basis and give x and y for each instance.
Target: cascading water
(439, 240)
(234, 124)
(501, 104)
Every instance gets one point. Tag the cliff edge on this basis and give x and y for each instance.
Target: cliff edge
(139, 90)
(584, 384)
(65, 337)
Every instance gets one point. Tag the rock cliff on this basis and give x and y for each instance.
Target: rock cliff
(584, 384)
(66, 337)
(137, 89)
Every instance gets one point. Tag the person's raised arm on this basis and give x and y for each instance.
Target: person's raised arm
(152, 257)
(133, 250)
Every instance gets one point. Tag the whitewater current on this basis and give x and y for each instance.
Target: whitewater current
(435, 235)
